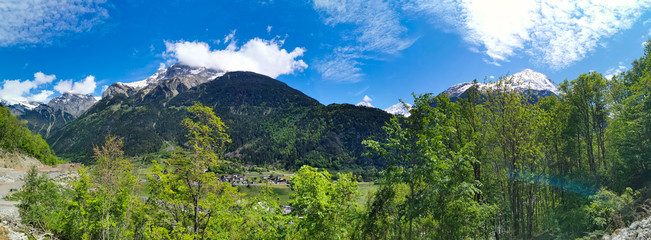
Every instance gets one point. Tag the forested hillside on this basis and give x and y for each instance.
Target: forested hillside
(15, 137)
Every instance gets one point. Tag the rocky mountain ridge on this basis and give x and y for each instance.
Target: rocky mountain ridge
(186, 76)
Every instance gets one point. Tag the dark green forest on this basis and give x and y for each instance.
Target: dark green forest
(497, 164)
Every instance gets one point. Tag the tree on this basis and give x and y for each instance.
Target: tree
(190, 196)
(327, 206)
(104, 199)
(514, 125)
(42, 203)
(587, 96)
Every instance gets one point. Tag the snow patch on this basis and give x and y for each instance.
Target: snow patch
(399, 109)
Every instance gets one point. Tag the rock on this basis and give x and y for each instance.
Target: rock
(637, 230)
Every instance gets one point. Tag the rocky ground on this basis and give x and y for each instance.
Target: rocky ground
(11, 180)
(637, 230)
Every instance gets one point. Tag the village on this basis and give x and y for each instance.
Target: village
(260, 179)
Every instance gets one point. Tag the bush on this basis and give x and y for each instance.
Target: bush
(42, 202)
(607, 211)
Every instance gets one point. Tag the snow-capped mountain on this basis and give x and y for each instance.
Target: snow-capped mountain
(364, 104)
(72, 103)
(531, 80)
(525, 80)
(399, 109)
(20, 108)
(195, 76)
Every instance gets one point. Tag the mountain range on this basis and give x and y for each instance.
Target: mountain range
(46, 119)
(269, 122)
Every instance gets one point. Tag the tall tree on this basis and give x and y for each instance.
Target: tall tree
(191, 194)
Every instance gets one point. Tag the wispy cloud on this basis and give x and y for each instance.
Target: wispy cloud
(341, 66)
(257, 55)
(41, 21)
(554, 33)
(374, 31)
(615, 70)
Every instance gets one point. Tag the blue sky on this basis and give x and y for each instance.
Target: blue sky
(337, 51)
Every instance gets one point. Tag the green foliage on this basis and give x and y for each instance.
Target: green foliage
(103, 205)
(607, 211)
(328, 207)
(14, 136)
(423, 169)
(42, 202)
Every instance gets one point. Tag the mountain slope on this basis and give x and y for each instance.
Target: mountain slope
(269, 122)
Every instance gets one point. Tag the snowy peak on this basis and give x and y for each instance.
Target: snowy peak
(458, 89)
(399, 109)
(525, 80)
(18, 109)
(531, 80)
(364, 104)
(178, 70)
(160, 73)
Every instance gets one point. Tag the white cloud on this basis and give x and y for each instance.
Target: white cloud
(269, 29)
(17, 91)
(645, 43)
(43, 96)
(615, 71)
(86, 86)
(41, 78)
(13, 91)
(257, 55)
(555, 33)
(367, 98)
(41, 21)
(375, 31)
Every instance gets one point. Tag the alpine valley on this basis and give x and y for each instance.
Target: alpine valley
(269, 122)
